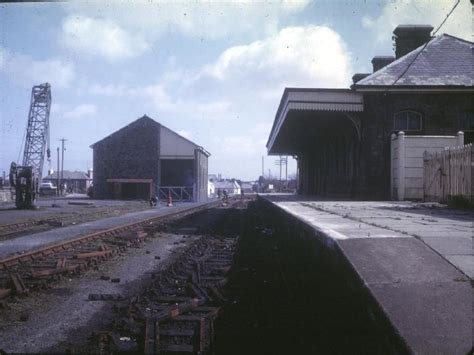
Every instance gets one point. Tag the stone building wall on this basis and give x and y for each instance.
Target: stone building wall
(130, 153)
(441, 115)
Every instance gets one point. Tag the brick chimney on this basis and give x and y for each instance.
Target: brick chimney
(359, 76)
(378, 62)
(410, 37)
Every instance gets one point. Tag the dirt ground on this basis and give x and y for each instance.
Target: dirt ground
(68, 211)
(63, 314)
(63, 317)
(283, 297)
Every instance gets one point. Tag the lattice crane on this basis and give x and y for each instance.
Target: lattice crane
(27, 177)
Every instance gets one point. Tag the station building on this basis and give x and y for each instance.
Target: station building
(341, 138)
(145, 159)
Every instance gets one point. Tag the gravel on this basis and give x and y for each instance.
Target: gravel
(67, 315)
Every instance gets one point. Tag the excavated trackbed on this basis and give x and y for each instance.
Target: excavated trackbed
(38, 267)
(199, 262)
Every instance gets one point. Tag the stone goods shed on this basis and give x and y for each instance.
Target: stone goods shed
(145, 159)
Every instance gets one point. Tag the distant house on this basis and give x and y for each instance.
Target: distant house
(211, 190)
(247, 187)
(75, 181)
(144, 159)
(231, 186)
(342, 137)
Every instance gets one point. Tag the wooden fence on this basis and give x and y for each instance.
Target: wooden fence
(448, 173)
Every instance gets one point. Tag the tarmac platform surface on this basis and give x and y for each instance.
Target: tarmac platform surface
(416, 260)
(31, 242)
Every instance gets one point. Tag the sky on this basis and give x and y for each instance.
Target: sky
(213, 71)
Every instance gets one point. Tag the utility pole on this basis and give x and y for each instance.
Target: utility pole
(280, 171)
(263, 167)
(62, 163)
(57, 175)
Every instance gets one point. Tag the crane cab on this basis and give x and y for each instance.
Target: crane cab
(25, 182)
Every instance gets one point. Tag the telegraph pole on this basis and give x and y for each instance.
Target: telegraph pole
(62, 163)
(58, 191)
(280, 171)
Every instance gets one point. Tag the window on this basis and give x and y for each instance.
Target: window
(407, 121)
(466, 121)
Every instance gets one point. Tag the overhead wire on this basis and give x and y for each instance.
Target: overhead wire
(426, 44)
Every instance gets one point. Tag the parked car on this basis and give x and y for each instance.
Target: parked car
(47, 189)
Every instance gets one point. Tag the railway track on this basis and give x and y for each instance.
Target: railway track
(22, 273)
(60, 220)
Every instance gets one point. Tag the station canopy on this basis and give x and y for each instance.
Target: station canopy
(302, 111)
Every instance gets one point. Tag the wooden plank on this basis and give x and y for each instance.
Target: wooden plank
(151, 337)
(448, 173)
(46, 272)
(20, 287)
(94, 254)
(5, 292)
(177, 332)
(185, 348)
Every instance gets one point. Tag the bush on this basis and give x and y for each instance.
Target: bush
(460, 202)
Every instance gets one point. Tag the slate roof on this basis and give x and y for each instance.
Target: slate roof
(146, 121)
(68, 175)
(446, 61)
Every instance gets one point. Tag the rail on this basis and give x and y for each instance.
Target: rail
(178, 213)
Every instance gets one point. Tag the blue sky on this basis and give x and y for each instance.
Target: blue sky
(212, 71)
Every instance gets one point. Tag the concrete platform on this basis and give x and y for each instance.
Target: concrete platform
(415, 260)
(34, 241)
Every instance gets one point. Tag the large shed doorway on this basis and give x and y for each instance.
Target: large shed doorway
(177, 178)
(130, 189)
(177, 172)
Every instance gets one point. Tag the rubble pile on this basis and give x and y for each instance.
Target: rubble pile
(177, 310)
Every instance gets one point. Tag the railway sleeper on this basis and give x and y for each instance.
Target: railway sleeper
(94, 254)
(189, 333)
(5, 292)
(18, 284)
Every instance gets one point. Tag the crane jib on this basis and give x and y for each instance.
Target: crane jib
(28, 176)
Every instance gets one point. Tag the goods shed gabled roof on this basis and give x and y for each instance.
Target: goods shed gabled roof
(149, 122)
(313, 100)
(446, 62)
(144, 120)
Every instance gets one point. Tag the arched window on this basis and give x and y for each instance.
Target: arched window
(407, 121)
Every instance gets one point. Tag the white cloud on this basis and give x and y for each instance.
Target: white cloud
(402, 12)
(102, 37)
(202, 18)
(25, 71)
(158, 98)
(3, 55)
(212, 110)
(185, 134)
(82, 111)
(236, 146)
(296, 56)
(154, 93)
(240, 90)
